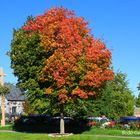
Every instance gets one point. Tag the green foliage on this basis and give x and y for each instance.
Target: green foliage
(27, 108)
(27, 59)
(134, 125)
(26, 56)
(116, 99)
(30, 50)
(137, 103)
(7, 127)
(123, 104)
(4, 90)
(79, 108)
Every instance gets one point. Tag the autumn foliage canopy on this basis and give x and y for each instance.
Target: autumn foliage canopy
(79, 64)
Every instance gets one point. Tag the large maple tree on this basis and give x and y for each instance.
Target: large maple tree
(79, 64)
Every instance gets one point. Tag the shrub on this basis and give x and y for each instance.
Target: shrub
(134, 125)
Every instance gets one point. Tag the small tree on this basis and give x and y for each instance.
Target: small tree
(116, 100)
(3, 91)
(137, 103)
(27, 108)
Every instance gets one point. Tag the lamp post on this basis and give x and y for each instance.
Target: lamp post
(2, 97)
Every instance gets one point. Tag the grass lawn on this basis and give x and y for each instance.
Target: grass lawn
(100, 131)
(25, 136)
(113, 132)
(7, 127)
(93, 133)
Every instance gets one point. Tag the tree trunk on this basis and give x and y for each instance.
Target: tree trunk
(3, 110)
(62, 124)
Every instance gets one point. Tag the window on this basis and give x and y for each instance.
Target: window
(14, 108)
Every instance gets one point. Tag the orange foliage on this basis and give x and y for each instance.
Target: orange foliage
(79, 61)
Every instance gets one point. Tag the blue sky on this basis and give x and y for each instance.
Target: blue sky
(116, 22)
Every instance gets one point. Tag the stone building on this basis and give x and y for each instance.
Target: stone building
(137, 111)
(14, 101)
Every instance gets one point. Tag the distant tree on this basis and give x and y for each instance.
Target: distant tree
(124, 96)
(3, 91)
(116, 99)
(28, 109)
(138, 86)
(138, 101)
(138, 98)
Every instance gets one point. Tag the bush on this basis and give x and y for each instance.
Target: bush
(134, 125)
(47, 124)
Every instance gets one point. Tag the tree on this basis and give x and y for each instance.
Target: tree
(138, 86)
(79, 64)
(27, 108)
(3, 91)
(116, 99)
(138, 98)
(138, 101)
(124, 96)
(72, 65)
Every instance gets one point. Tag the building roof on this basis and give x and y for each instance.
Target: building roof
(15, 94)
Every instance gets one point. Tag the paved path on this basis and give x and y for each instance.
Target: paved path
(7, 131)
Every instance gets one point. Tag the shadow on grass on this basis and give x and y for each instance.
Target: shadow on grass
(43, 125)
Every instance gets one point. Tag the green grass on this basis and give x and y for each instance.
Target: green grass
(93, 133)
(7, 127)
(100, 131)
(25, 136)
(112, 132)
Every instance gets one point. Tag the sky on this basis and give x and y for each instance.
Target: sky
(116, 22)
